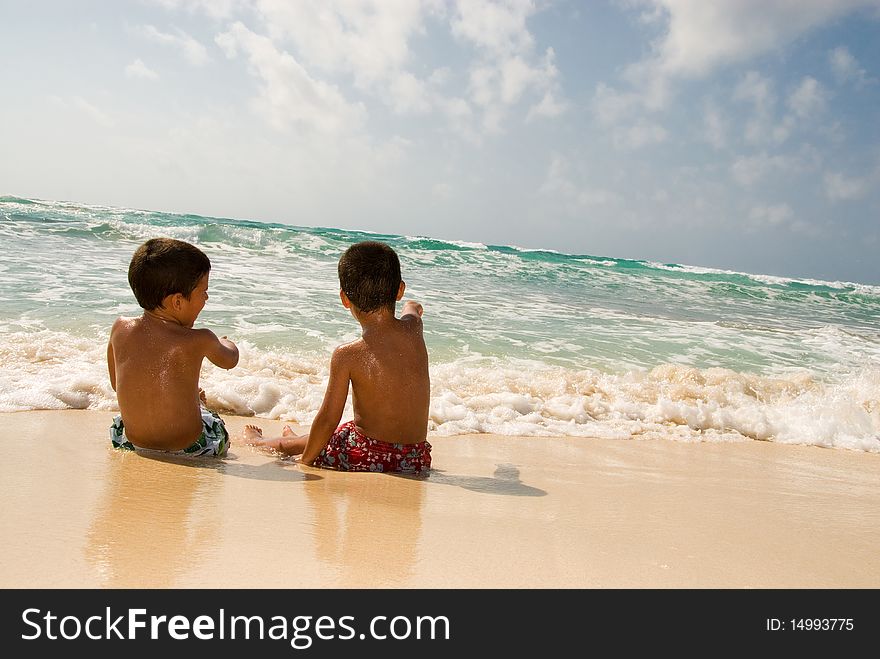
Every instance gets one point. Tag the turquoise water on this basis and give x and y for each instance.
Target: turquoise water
(523, 342)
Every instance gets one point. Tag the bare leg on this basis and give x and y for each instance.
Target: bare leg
(288, 444)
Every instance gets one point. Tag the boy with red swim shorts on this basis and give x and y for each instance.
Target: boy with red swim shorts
(387, 369)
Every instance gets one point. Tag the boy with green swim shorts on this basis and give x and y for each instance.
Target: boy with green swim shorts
(155, 359)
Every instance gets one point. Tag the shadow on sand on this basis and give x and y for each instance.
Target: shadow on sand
(504, 481)
(268, 471)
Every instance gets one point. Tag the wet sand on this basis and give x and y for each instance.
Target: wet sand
(496, 512)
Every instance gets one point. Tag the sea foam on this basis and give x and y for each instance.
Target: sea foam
(56, 370)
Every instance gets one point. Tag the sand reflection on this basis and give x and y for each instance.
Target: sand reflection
(157, 520)
(367, 527)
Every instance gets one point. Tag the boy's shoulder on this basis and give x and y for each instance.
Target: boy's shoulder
(349, 350)
(123, 323)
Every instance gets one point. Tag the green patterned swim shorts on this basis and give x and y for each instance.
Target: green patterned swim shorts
(214, 439)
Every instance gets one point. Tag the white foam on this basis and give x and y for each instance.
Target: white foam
(864, 289)
(56, 370)
(457, 243)
(53, 370)
(526, 250)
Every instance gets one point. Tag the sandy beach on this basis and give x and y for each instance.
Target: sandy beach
(496, 512)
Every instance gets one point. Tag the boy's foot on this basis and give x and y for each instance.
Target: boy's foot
(252, 434)
(287, 431)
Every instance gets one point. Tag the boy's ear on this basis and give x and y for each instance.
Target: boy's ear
(172, 302)
(345, 301)
(401, 289)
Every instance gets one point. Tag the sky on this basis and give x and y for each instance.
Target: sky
(735, 134)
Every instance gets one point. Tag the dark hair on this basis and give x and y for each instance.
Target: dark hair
(369, 274)
(164, 266)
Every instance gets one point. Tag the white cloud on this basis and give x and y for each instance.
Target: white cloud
(516, 76)
(771, 215)
(289, 95)
(596, 197)
(846, 68)
(497, 85)
(808, 98)
(195, 53)
(559, 186)
(138, 69)
(697, 37)
(214, 8)
(640, 134)
(457, 108)
(460, 116)
(499, 28)
(805, 101)
(610, 105)
(367, 39)
(440, 76)
(778, 216)
(841, 188)
(748, 170)
(95, 113)
(549, 106)
(702, 36)
(507, 68)
(483, 79)
(756, 88)
(409, 95)
(615, 108)
(714, 126)
(556, 181)
(370, 40)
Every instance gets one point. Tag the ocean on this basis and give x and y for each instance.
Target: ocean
(521, 341)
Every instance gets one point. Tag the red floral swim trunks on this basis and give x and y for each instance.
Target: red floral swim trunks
(351, 450)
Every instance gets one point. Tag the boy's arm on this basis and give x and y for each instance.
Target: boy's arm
(412, 308)
(222, 352)
(111, 358)
(111, 365)
(332, 406)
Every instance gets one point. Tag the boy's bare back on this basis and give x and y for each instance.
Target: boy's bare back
(156, 370)
(390, 385)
